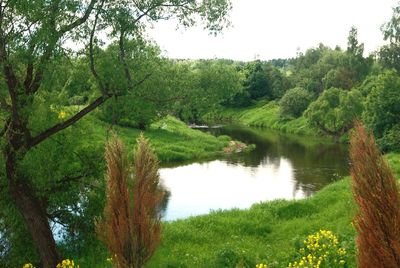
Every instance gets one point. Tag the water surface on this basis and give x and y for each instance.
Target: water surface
(281, 167)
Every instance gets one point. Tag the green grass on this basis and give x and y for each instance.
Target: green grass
(268, 232)
(265, 114)
(171, 139)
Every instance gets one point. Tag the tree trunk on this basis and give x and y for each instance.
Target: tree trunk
(33, 213)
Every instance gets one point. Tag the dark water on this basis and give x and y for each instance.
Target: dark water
(281, 167)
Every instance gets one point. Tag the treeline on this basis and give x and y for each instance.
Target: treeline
(328, 86)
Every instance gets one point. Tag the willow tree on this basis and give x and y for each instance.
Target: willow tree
(33, 34)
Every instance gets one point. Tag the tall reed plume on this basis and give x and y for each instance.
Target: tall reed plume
(375, 191)
(131, 224)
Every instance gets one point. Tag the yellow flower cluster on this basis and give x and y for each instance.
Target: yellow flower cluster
(320, 250)
(67, 264)
(261, 265)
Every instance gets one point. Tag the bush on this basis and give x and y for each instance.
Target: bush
(131, 228)
(377, 196)
(295, 102)
(390, 140)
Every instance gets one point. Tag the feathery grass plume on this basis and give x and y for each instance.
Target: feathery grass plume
(131, 225)
(375, 191)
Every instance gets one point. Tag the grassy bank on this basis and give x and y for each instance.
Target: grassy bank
(264, 114)
(172, 139)
(266, 233)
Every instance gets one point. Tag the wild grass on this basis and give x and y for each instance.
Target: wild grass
(268, 232)
(265, 114)
(171, 139)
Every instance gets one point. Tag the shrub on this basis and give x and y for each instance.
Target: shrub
(131, 225)
(295, 102)
(375, 191)
(390, 140)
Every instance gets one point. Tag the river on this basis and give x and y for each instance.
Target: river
(281, 166)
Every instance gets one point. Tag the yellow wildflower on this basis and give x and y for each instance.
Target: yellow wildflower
(62, 115)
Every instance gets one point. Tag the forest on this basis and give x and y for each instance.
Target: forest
(91, 109)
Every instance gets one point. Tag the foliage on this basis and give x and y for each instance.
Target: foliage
(390, 140)
(294, 102)
(207, 85)
(389, 54)
(382, 109)
(376, 193)
(39, 76)
(321, 249)
(131, 226)
(322, 68)
(264, 81)
(334, 111)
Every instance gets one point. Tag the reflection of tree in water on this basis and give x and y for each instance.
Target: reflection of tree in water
(164, 203)
(315, 162)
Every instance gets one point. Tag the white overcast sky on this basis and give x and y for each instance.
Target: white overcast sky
(269, 29)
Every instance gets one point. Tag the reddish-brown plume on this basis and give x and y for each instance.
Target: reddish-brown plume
(375, 191)
(131, 225)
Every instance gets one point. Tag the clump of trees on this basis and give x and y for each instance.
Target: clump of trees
(377, 195)
(334, 111)
(131, 226)
(295, 102)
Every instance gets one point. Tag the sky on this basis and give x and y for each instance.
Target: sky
(268, 29)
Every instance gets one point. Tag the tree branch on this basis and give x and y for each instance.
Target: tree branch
(79, 21)
(63, 125)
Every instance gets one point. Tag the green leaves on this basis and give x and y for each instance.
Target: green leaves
(334, 111)
(294, 102)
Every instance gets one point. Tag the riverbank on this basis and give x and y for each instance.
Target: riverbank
(269, 232)
(172, 139)
(263, 114)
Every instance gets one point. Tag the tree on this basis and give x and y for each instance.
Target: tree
(382, 109)
(334, 111)
(263, 80)
(389, 55)
(377, 195)
(33, 35)
(353, 47)
(131, 226)
(295, 102)
(208, 84)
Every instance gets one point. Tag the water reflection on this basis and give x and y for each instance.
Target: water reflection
(281, 167)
